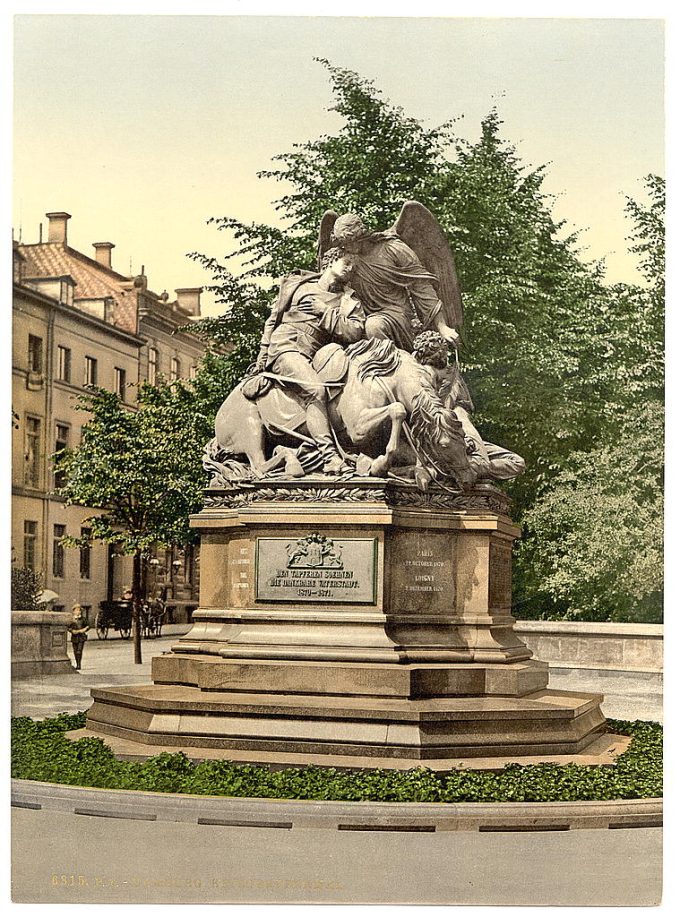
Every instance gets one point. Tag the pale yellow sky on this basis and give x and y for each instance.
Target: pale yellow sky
(142, 127)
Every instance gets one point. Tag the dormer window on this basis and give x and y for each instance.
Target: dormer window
(66, 291)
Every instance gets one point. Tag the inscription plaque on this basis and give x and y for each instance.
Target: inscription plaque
(500, 575)
(316, 568)
(422, 572)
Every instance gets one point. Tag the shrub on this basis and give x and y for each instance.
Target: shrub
(26, 588)
(41, 751)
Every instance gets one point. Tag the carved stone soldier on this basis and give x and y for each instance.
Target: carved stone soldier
(312, 311)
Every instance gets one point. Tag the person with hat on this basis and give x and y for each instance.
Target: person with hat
(78, 629)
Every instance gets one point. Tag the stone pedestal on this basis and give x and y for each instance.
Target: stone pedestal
(39, 640)
(364, 621)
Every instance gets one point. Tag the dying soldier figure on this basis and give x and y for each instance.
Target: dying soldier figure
(312, 311)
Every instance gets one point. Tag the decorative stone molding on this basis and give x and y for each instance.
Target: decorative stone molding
(484, 498)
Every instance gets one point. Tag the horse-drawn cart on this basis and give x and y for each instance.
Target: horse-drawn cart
(114, 616)
(118, 616)
(152, 618)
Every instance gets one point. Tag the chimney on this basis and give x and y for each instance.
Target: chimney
(102, 253)
(56, 231)
(189, 299)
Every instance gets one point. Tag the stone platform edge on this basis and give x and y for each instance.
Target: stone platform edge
(248, 812)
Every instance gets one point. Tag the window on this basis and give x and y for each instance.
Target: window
(58, 552)
(90, 371)
(61, 438)
(35, 354)
(64, 363)
(174, 369)
(32, 466)
(153, 365)
(119, 382)
(66, 292)
(85, 555)
(30, 539)
(193, 369)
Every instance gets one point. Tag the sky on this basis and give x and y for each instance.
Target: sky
(143, 127)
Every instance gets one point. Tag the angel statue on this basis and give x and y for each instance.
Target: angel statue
(405, 276)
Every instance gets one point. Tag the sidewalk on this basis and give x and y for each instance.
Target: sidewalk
(105, 662)
(628, 695)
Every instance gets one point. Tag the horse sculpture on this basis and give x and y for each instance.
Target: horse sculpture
(386, 407)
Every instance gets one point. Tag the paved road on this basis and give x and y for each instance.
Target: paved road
(184, 863)
(115, 861)
(627, 695)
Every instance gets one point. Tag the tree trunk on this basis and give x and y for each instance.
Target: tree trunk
(137, 605)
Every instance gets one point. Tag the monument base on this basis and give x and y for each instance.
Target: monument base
(39, 643)
(602, 751)
(350, 727)
(353, 622)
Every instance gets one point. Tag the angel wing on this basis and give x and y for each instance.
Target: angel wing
(325, 232)
(419, 229)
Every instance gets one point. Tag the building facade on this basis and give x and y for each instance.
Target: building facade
(76, 321)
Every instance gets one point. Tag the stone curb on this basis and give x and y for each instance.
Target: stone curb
(337, 816)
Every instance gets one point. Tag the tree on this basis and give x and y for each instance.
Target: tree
(596, 531)
(378, 159)
(554, 357)
(142, 468)
(528, 335)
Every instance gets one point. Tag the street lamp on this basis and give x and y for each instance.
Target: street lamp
(175, 565)
(155, 564)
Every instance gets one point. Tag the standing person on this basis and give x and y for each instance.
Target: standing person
(78, 629)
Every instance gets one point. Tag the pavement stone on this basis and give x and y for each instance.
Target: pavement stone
(628, 695)
(105, 662)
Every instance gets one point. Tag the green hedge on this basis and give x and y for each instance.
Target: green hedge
(41, 751)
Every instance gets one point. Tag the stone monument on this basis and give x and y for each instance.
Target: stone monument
(355, 603)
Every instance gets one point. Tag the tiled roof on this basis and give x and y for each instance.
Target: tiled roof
(93, 280)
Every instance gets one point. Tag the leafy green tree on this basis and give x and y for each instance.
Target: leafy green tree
(532, 307)
(378, 159)
(142, 468)
(554, 357)
(596, 531)
(528, 334)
